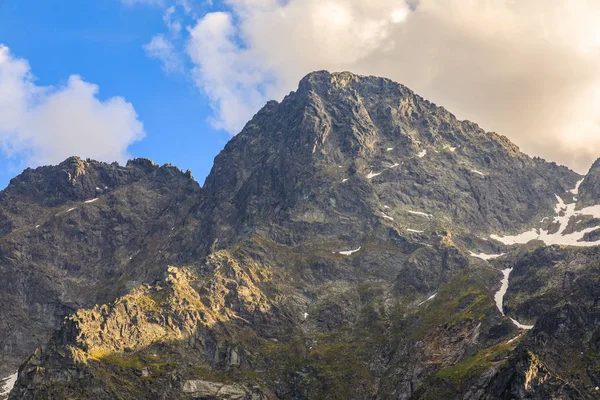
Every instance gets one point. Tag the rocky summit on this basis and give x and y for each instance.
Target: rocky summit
(354, 241)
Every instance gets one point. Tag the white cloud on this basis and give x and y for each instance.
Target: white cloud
(45, 125)
(172, 22)
(280, 44)
(162, 49)
(236, 84)
(529, 70)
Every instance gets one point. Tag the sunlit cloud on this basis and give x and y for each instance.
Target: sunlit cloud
(45, 125)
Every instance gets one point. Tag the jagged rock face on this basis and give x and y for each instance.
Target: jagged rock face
(71, 233)
(343, 150)
(557, 288)
(327, 256)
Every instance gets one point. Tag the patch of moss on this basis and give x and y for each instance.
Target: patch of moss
(459, 374)
(334, 366)
(465, 297)
(129, 361)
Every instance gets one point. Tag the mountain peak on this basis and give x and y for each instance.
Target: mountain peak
(341, 134)
(323, 78)
(346, 83)
(340, 79)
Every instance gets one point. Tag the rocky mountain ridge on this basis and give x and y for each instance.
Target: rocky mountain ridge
(351, 242)
(71, 232)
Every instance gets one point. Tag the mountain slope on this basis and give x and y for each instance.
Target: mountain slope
(342, 247)
(70, 233)
(344, 146)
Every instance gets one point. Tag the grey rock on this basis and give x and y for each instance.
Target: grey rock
(205, 389)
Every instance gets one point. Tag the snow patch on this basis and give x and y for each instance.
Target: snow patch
(389, 149)
(519, 325)
(429, 298)
(452, 149)
(421, 214)
(305, 315)
(71, 209)
(564, 213)
(576, 189)
(7, 384)
(413, 230)
(477, 172)
(37, 226)
(348, 252)
(499, 297)
(513, 339)
(560, 205)
(372, 174)
(384, 215)
(421, 154)
(91, 201)
(484, 256)
(386, 206)
(345, 180)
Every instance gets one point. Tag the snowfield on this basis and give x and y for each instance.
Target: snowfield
(564, 214)
(484, 256)
(7, 384)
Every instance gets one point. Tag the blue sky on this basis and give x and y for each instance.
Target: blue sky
(173, 80)
(102, 41)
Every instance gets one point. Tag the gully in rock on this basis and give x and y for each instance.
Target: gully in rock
(499, 297)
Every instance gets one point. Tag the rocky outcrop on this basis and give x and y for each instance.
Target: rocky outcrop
(215, 390)
(96, 345)
(78, 234)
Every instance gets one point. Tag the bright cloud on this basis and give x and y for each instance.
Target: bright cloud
(271, 46)
(529, 70)
(172, 22)
(45, 125)
(163, 50)
(235, 81)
